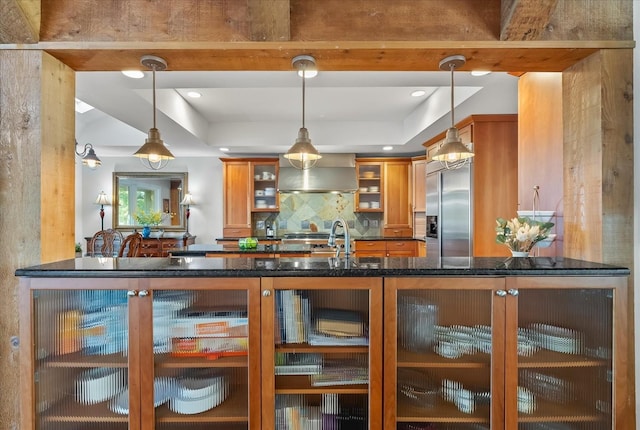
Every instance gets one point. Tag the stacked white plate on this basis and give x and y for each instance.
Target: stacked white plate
(97, 385)
(261, 204)
(269, 191)
(162, 389)
(374, 189)
(363, 205)
(375, 205)
(194, 396)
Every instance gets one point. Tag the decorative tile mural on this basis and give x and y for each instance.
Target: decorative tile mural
(316, 212)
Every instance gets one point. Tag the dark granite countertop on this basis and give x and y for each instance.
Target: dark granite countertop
(181, 267)
(200, 250)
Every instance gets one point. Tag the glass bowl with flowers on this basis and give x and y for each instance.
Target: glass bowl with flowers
(520, 234)
(147, 219)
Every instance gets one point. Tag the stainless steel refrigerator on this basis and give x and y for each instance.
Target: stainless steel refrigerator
(448, 211)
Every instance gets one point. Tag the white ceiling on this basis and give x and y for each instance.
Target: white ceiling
(259, 113)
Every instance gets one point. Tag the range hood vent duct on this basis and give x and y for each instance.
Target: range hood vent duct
(332, 173)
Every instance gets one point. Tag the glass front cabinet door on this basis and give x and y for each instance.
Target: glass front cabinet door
(504, 353)
(322, 353)
(142, 354)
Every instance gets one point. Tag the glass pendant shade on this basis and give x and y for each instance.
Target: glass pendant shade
(303, 155)
(154, 154)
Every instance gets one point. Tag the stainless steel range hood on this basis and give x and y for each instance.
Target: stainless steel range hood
(332, 173)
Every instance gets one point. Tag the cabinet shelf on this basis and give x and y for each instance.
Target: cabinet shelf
(545, 358)
(300, 384)
(69, 411)
(169, 362)
(442, 412)
(77, 359)
(305, 348)
(431, 359)
(553, 412)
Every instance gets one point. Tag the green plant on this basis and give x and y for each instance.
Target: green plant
(78, 247)
(148, 218)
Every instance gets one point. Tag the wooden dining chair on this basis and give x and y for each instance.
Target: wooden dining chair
(105, 243)
(131, 246)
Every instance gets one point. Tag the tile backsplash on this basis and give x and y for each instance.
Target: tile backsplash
(316, 212)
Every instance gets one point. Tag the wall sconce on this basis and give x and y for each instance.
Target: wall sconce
(102, 200)
(187, 201)
(89, 157)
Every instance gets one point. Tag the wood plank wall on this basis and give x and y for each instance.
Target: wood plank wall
(20, 147)
(540, 148)
(57, 169)
(598, 171)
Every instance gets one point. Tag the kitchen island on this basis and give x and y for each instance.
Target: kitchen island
(365, 330)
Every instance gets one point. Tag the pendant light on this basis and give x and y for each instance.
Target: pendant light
(154, 154)
(453, 154)
(302, 155)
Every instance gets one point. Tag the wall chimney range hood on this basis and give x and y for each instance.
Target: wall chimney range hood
(332, 173)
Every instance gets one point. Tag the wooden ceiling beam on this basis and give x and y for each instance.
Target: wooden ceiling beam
(269, 20)
(547, 56)
(525, 19)
(20, 22)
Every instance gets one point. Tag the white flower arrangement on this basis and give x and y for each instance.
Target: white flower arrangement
(521, 234)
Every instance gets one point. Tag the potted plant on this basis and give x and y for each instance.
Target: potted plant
(78, 250)
(147, 219)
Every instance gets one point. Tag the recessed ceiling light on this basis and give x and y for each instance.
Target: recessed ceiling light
(387, 148)
(224, 149)
(194, 94)
(135, 74)
(82, 107)
(418, 93)
(479, 72)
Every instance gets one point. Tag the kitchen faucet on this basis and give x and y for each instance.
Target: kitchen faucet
(347, 239)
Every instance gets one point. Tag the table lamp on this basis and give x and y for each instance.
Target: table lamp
(102, 200)
(187, 201)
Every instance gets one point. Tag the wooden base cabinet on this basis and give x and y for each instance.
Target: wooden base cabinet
(322, 353)
(141, 354)
(502, 354)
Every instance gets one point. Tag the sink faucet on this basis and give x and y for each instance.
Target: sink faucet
(347, 238)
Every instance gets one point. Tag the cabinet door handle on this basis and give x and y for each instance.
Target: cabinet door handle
(266, 293)
(132, 293)
(501, 293)
(143, 293)
(514, 292)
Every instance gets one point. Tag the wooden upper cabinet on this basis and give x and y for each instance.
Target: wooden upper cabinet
(419, 176)
(397, 219)
(494, 177)
(237, 190)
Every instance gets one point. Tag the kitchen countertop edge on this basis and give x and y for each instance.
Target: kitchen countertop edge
(190, 267)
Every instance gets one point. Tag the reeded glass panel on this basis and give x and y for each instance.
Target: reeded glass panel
(565, 368)
(322, 359)
(200, 341)
(81, 374)
(444, 358)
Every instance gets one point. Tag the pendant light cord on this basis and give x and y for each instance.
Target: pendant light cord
(452, 66)
(304, 67)
(154, 95)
